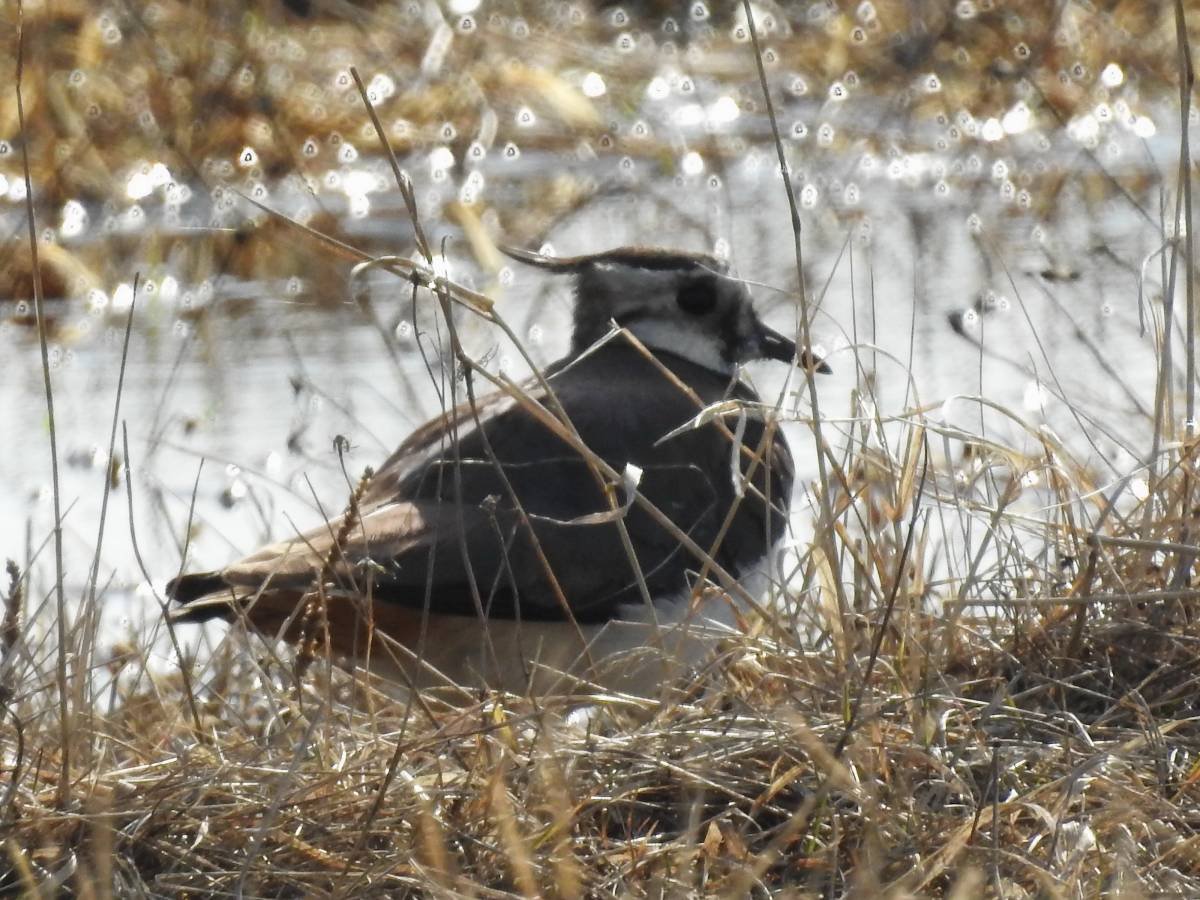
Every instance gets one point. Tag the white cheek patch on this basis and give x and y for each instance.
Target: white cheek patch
(689, 343)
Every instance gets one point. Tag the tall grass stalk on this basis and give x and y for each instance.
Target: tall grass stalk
(63, 619)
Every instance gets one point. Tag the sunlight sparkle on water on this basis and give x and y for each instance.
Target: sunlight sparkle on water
(122, 297)
(139, 185)
(169, 291)
(359, 182)
(440, 159)
(593, 85)
(1144, 127)
(692, 163)
(381, 87)
(1017, 120)
(74, 219)
(1084, 129)
(723, 111)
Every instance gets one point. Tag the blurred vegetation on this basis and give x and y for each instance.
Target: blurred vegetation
(145, 121)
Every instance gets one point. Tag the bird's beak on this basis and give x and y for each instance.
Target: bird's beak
(773, 345)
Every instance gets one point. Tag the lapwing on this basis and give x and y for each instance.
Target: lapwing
(554, 540)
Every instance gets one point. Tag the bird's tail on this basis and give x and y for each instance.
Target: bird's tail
(187, 589)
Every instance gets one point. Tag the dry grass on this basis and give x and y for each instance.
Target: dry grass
(977, 677)
(900, 747)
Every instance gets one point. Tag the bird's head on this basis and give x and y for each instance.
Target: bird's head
(686, 304)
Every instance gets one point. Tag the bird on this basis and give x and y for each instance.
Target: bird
(553, 539)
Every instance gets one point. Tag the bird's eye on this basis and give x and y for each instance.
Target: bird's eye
(697, 296)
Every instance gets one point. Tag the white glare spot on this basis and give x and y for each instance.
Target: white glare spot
(692, 163)
(1143, 127)
(992, 130)
(381, 87)
(138, 186)
(1112, 76)
(1084, 129)
(723, 111)
(122, 297)
(593, 85)
(1017, 119)
(74, 218)
(440, 159)
(360, 182)
(658, 88)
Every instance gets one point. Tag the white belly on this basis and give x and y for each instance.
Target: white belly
(641, 653)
